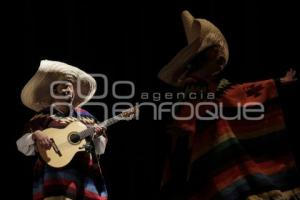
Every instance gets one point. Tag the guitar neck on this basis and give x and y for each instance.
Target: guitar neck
(90, 131)
(111, 121)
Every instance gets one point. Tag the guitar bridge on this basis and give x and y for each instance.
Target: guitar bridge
(55, 147)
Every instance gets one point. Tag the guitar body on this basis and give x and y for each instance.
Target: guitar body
(64, 146)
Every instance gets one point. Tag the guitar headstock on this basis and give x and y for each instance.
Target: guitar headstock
(130, 113)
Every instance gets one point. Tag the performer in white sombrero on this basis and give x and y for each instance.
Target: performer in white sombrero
(56, 92)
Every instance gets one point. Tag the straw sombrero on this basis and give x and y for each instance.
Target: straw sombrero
(200, 34)
(36, 93)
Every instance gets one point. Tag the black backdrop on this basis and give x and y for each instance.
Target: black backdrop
(133, 41)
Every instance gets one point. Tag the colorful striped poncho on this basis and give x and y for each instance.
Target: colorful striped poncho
(232, 159)
(79, 180)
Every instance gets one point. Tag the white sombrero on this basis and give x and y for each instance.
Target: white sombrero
(200, 34)
(36, 93)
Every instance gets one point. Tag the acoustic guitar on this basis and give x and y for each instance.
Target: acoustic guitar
(68, 141)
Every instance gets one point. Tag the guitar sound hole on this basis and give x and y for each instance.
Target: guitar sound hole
(74, 138)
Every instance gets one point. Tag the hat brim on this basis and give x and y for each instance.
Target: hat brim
(36, 94)
(176, 67)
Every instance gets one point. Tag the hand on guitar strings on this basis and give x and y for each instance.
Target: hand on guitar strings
(43, 140)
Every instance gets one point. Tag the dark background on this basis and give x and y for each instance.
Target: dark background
(129, 40)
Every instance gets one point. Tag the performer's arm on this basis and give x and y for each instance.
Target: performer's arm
(32, 134)
(100, 144)
(25, 144)
(100, 139)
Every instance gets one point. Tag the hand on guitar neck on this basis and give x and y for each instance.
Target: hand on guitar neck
(99, 130)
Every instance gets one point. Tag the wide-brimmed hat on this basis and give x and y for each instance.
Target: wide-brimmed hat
(36, 94)
(200, 34)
